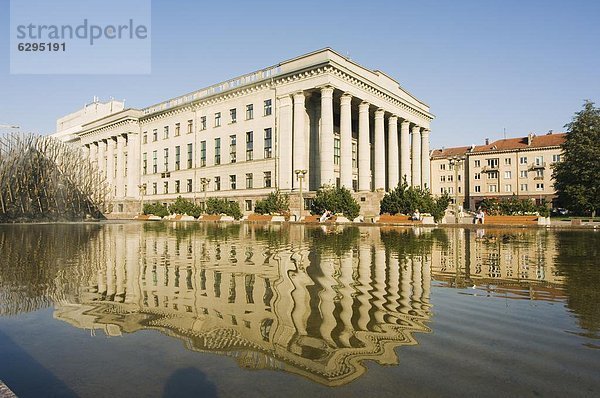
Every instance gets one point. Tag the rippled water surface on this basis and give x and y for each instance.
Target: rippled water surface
(157, 309)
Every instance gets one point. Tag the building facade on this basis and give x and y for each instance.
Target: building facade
(319, 117)
(516, 166)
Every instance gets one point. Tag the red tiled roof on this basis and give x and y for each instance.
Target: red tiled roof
(449, 152)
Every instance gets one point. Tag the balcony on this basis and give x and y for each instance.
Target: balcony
(488, 169)
(536, 166)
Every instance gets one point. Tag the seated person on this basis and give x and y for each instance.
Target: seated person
(416, 216)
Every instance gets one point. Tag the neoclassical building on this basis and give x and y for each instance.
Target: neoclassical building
(320, 118)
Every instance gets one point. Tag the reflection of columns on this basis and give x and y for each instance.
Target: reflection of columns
(285, 143)
(364, 148)
(346, 289)
(120, 181)
(416, 156)
(379, 151)
(425, 160)
(132, 289)
(327, 299)
(102, 157)
(426, 279)
(299, 136)
(393, 170)
(364, 286)
(379, 286)
(417, 296)
(405, 152)
(405, 285)
(393, 297)
(119, 258)
(326, 139)
(133, 165)
(346, 141)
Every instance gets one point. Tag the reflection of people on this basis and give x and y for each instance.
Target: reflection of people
(479, 216)
(416, 216)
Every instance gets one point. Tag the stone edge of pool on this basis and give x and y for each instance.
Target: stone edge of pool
(6, 392)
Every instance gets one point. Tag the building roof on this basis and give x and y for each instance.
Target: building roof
(509, 144)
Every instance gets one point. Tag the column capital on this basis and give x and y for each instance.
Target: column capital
(299, 96)
(120, 138)
(326, 91)
(416, 129)
(364, 106)
(379, 113)
(346, 98)
(425, 132)
(286, 100)
(393, 119)
(405, 123)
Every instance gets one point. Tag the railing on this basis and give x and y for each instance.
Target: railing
(534, 166)
(487, 169)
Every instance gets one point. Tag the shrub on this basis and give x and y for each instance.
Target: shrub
(184, 206)
(405, 200)
(223, 206)
(276, 202)
(513, 206)
(157, 209)
(336, 200)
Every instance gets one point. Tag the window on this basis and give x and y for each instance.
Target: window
(478, 163)
(268, 107)
(477, 176)
(154, 188)
(144, 163)
(248, 205)
(539, 187)
(477, 188)
(166, 152)
(450, 178)
(492, 188)
(177, 186)
(539, 160)
(233, 114)
(555, 158)
(125, 163)
(115, 168)
(202, 153)
(217, 151)
(507, 161)
(450, 190)
(523, 187)
(268, 143)
(249, 111)
(507, 188)
(459, 177)
(190, 126)
(354, 155)
(155, 161)
(249, 145)
(154, 135)
(443, 167)
(203, 123)
(232, 181)
(145, 137)
(166, 133)
(233, 148)
(267, 179)
(177, 129)
(493, 175)
(189, 185)
(166, 187)
(539, 173)
(249, 180)
(217, 183)
(189, 156)
(177, 157)
(492, 162)
(443, 178)
(523, 174)
(523, 160)
(336, 150)
(507, 174)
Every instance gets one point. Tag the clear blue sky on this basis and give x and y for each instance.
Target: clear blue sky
(482, 66)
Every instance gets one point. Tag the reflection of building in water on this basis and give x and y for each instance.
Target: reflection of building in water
(508, 262)
(296, 299)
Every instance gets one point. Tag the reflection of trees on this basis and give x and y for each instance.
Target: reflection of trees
(410, 241)
(33, 259)
(577, 260)
(337, 240)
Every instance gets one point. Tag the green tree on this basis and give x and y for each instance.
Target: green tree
(157, 209)
(336, 200)
(223, 206)
(576, 176)
(405, 200)
(276, 202)
(184, 206)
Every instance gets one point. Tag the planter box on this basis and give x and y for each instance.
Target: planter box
(511, 220)
(210, 217)
(396, 219)
(259, 217)
(278, 219)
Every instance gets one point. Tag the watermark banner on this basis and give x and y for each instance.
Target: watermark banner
(80, 37)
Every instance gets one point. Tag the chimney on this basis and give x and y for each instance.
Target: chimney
(530, 138)
(487, 141)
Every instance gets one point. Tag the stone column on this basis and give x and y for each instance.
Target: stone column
(110, 163)
(86, 151)
(346, 141)
(425, 160)
(326, 139)
(299, 136)
(284, 178)
(393, 169)
(405, 152)
(364, 148)
(416, 156)
(133, 165)
(94, 153)
(101, 157)
(379, 150)
(120, 180)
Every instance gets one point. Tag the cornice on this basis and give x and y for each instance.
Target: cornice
(115, 125)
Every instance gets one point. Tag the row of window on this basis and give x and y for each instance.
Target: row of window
(523, 160)
(176, 188)
(493, 175)
(508, 188)
(268, 147)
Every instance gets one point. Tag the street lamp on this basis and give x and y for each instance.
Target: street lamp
(300, 174)
(142, 188)
(456, 161)
(204, 182)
